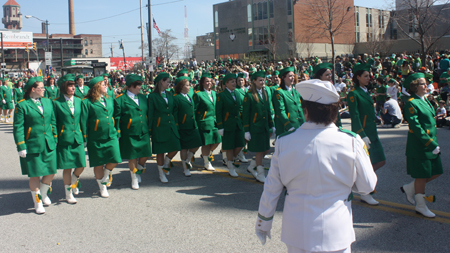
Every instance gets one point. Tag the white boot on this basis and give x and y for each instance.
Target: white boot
(75, 183)
(10, 118)
(241, 157)
(6, 118)
(45, 190)
(261, 177)
(134, 181)
(103, 189)
(410, 191)
(232, 169)
(251, 168)
(186, 170)
(162, 175)
(369, 199)
(38, 206)
(207, 164)
(190, 155)
(107, 177)
(69, 196)
(138, 175)
(224, 158)
(421, 206)
(167, 165)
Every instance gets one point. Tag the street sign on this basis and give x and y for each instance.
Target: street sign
(48, 58)
(3, 65)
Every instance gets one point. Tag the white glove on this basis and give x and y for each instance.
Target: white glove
(262, 235)
(291, 129)
(23, 153)
(248, 137)
(367, 142)
(221, 132)
(262, 229)
(437, 150)
(4, 101)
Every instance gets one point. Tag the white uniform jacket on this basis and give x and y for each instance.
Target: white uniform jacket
(318, 165)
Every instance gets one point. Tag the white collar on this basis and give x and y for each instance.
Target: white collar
(312, 125)
(230, 90)
(363, 88)
(130, 94)
(68, 99)
(36, 99)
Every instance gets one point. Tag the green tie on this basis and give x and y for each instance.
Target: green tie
(70, 103)
(163, 95)
(232, 94)
(38, 103)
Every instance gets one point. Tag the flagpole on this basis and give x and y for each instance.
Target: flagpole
(150, 24)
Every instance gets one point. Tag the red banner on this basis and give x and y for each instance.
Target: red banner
(118, 63)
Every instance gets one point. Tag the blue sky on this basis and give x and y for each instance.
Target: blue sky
(169, 14)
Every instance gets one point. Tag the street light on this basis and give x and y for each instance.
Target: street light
(46, 26)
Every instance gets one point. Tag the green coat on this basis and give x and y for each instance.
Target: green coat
(422, 138)
(362, 113)
(68, 125)
(288, 110)
(6, 94)
(18, 95)
(161, 119)
(97, 122)
(51, 93)
(79, 93)
(184, 112)
(205, 110)
(229, 111)
(256, 115)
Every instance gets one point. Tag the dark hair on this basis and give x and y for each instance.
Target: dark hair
(320, 73)
(28, 91)
(17, 84)
(202, 82)
(282, 84)
(64, 86)
(380, 80)
(414, 86)
(355, 75)
(320, 113)
(157, 89)
(180, 85)
(48, 81)
(136, 83)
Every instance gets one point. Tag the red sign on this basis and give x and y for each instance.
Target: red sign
(118, 63)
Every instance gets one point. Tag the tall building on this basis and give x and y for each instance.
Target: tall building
(370, 24)
(12, 18)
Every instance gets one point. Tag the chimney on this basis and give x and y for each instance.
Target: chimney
(71, 18)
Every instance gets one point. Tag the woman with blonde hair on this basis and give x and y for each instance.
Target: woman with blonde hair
(97, 125)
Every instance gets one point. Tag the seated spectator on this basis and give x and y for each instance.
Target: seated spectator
(441, 114)
(392, 90)
(391, 113)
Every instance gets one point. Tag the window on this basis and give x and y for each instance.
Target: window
(271, 8)
(250, 37)
(216, 19)
(260, 11)
(289, 7)
(261, 36)
(85, 51)
(92, 51)
(357, 18)
(264, 16)
(290, 32)
(367, 19)
(85, 42)
(370, 18)
(90, 42)
(255, 12)
(249, 13)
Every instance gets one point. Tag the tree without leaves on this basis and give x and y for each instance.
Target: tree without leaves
(163, 46)
(272, 42)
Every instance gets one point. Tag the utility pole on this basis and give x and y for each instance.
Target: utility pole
(3, 53)
(62, 57)
(112, 53)
(142, 34)
(150, 37)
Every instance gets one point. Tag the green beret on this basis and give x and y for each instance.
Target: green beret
(79, 76)
(31, 81)
(286, 70)
(131, 78)
(206, 74)
(105, 74)
(241, 75)
(68, 77)
(160, 76)
(325, 65)
(275, 73)
(228, 77)
(364, 67)
(180, 78)
(391, 80)
(412, 78)
(429, 77)
(182, 72)
(95, 80)
(258, 74)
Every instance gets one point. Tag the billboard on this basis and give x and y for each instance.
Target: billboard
(118, 63)
(17, 40)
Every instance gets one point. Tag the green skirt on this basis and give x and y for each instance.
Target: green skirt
(173, 144)
(233, 139)
(190, 138)
(102, 152)
(39, 164)
(71, 157)
(132, 147)
(376, 152)
(260, 142)
(210, 137)
(423, 168)
(8, 105)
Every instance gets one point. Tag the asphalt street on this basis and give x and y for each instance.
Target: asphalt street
(207, 212)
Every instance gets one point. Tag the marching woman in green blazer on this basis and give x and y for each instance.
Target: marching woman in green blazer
(258, 124)
(81, 90)
(205, 115)
(130, 115)
(229, 121)
(51, 90)
(163, 128)
(70, 148)
(242, 89)
(184, 113)
(362, 114)
(97, 125)
(35, 136)
(110, 90)
(287, 104)
(7, 100)
(423, 160)
(18, 91)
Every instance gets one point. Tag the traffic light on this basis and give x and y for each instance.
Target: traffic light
(34, 46)
(26, 49)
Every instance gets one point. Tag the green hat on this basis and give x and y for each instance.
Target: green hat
(182, 72)
(429, 77)
(412, 78)
(391, 80)
(228, 77)
(275, 73)
(105, 74)
(95, 80)
(31, 81)
(180, 78)
(206, 74)
(358, 67)
(325, 65)
(68, 77)
(78, 77)
(160, 76)
(258, 74)
(286, 70)
(131, 78)
(241, 75)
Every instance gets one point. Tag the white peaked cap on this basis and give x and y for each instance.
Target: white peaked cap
(318, 91)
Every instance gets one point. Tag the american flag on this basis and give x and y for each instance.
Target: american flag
(156, 27)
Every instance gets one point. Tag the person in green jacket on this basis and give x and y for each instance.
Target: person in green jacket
(241, 87)
(163, 128)
(258, 124)
(99, 133)
(205, 115)
(423, 160)
(287, 104)
(110, 90)
(130, 116)
(18, 91)
(51, 90)
(35, 136)
(184, 113)
(229, 121)
(7, 100)
(81, 90)
(70, 148)
(362, 114)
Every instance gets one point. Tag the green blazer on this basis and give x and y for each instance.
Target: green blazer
(422, 138)
(288, 110)
(362, 113)
(97, 121)
(51, 93)
(6, 94)
(80, 93)
(184, 112)
(160, 116)
(229, 111)
(68, 125)
(131, 119)
(34, 131)
(205, 110)
(257, 117)
(18, 95)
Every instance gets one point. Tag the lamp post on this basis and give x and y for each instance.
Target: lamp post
(46, 31)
